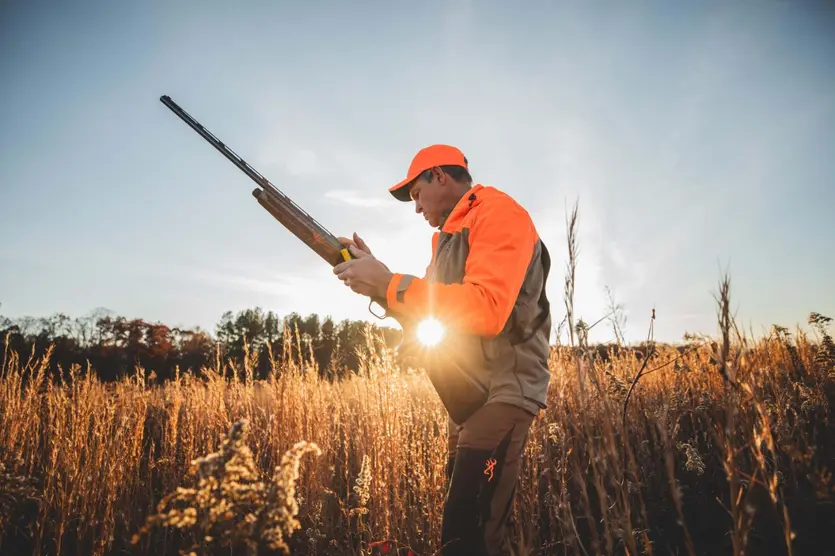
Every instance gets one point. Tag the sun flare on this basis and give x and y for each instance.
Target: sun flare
(430, 332)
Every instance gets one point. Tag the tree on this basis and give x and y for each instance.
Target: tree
(324, 350)
(159, 341)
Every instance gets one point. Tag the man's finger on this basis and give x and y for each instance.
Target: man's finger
(342, 266)
(357, 252)
(359, 287)
(361, 243)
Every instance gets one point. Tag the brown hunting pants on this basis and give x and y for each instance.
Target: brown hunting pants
(485, 454)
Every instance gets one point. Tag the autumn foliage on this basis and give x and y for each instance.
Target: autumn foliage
(114, 346)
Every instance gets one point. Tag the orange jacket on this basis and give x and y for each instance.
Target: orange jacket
(486, 283)
(501, 239)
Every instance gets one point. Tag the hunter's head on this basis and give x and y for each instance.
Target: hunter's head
(437, 179)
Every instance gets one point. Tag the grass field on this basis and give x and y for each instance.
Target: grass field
(723, 448)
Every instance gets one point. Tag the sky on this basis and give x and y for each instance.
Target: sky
(696, 138)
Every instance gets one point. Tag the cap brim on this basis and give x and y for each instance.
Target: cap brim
(401, 190)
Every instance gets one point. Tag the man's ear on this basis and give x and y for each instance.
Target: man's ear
(439, 175)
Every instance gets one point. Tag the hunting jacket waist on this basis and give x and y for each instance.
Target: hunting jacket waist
(486, 284)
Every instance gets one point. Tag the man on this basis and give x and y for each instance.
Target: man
(486, 284)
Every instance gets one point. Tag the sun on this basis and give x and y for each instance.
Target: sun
(430, 332)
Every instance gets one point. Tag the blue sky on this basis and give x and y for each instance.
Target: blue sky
(696, 137)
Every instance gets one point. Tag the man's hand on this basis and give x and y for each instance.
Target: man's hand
(360, 243)
(364, 274)
(356, 242)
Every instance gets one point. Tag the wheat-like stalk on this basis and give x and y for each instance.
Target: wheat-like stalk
(232, 505)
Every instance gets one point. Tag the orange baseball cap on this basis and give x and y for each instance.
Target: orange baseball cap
(426, 158)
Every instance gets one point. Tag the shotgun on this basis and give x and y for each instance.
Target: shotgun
(279, 205)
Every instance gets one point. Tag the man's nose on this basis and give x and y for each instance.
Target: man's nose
(418, 208)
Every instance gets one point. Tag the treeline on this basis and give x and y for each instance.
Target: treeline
(115, 345)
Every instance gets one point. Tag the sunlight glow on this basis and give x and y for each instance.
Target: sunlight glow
(430, 332)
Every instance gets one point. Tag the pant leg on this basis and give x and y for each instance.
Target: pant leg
(484, 476)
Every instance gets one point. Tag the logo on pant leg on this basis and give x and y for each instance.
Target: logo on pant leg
(488, 470)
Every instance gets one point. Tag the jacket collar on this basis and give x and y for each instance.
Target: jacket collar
(470, 199)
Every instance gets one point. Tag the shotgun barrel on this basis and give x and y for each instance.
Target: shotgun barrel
(283, 209)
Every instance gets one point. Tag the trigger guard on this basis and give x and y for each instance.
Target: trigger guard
(370, 303)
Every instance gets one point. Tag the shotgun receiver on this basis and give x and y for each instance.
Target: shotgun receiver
(283, 209)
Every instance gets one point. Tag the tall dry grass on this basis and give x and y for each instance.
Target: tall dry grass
(703, 463)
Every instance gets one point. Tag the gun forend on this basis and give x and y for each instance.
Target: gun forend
(325, 245)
